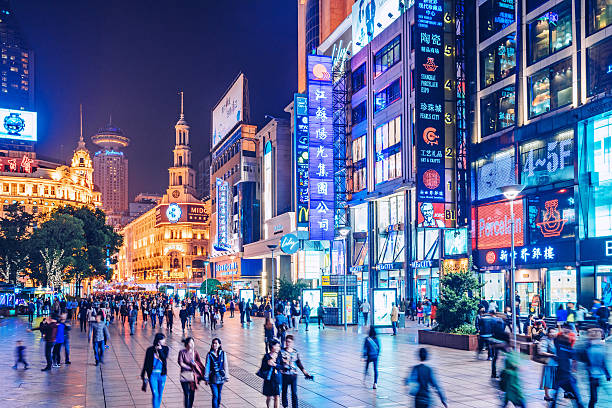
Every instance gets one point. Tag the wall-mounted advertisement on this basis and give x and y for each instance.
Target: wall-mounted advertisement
(494, 171)
(551, 216)
(312, 297)
(222, 243)
(371, 17)
(494, 226)
(382, 304)
(300, 110)
(429, 105)
(229, 111)
(431, 215)
(549, 160)
(321, 149)
(18, 125)
(554, 252)
(330, 299)
(247, 295)
(176, 213)
(455, 242)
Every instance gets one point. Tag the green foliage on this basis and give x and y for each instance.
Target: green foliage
(289, 290)
(15, 231)
(456, 306)
(209, 286)
(465, 328)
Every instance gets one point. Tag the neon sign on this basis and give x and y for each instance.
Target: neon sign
(222, 215)
(16, 165)
(533, 254)
(553, 223)
(320, 149)
(300, 109)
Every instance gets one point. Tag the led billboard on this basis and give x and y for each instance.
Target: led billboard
(223, 237)
(173, 213)
(371, 17)
(18, 125)
(229, 111)
(493, 225)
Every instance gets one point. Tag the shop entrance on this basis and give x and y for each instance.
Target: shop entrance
(527, 291)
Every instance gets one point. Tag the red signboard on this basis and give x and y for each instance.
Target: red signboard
(22, 164)
(493, 225)
(432, 215)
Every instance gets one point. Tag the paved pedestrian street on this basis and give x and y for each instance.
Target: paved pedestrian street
(331, 355)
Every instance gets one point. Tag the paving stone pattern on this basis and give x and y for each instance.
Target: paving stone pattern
(331, 355)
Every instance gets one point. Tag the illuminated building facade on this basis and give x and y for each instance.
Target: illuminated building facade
(17, 69)
(169, 243)
(541, 103)
(41, 186)
(111, 172)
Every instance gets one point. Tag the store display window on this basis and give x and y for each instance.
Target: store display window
(599, 15)
(604, 284)
(550, 88)
(599, 66)
(497, 110)
(493, 288)
(498, 61)
(494, 16)
(561, 288)
(387, 144)
(550, 32)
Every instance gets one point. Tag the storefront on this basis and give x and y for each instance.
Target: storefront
(426, 279)
(359, 249)
(596, 269)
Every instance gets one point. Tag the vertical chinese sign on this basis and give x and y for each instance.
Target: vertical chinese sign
(300, 109)
(429, 61)
(222, 215)
(321, 148)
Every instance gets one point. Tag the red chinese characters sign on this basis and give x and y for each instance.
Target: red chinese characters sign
(493, 225)
(22, 164)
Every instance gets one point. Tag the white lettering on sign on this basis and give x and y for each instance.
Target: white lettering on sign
(608, 247)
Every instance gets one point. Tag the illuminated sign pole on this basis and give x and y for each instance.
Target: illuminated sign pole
(300, 109)
(320, 150)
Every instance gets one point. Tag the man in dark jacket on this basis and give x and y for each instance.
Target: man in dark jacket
(48, 330)
(132, 317)
(183, 315)
(564, 377)
(241, 309)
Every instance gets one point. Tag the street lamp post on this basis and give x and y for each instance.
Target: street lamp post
(206, 264)
(344, 232)
(272, 248)
(511, 192)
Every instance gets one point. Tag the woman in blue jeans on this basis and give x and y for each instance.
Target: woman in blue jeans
(371, 350)
(155, 368)
(216, 371)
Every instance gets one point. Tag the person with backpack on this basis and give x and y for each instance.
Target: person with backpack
(510, 382)
(424, 377)
(216, 371)
(371, 351)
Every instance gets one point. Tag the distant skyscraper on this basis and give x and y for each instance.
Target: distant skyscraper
(111, 172)
(17, 69)
(203, 177)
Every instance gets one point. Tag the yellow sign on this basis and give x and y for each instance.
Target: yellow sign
(348, 309)
(325, 280)
(330, 299)
(461, 265)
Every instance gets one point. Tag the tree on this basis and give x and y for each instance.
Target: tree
(209, 286)
(289, 290)
(54, 264)
(457, 306)
(15, 231)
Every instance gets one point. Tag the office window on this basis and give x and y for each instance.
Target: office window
(497, 110)
(534, 4)
(550, 32)
(359, 148)
(387, 145)
(358, 78)
(599, 15)
(550, 88)
(387, 56)
(599, 60)
(359, 113)
(387, 96)
(498, 61)
(359, 178)
(494, 16)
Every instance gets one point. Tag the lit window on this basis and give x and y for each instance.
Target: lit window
(388, 150)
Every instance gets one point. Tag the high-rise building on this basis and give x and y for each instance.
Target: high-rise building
(204, 177)
(111, 172)
(317, 19)
(17, 69)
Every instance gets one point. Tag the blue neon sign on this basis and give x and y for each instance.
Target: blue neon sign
(321, 148)
(222, 215)
(300, 109)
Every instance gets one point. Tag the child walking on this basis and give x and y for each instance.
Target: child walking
(20, 356)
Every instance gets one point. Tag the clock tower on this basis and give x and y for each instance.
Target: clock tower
(182, 176)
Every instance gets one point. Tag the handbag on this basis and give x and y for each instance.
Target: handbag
(144, 385)
(187, 376)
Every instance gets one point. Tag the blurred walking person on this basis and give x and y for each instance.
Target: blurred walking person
(20, 356)
(132, 317)
(191, 371)
(270, 371)
(291, 364)
(510, 382)
(169, 318)
(424, 377)
(546, 353)
(183, 315)
(565, 377)
(594, 355)
(156, 368)
(371, 351)
(216, 371)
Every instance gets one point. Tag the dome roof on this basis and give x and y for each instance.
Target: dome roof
(110, 130)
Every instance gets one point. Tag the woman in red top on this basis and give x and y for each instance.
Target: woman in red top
(192, 370)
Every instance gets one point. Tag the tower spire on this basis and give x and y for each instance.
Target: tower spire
(81, 144)
(182, 115)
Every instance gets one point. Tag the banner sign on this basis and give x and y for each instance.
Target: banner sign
(300, 110)
(554, 252)
(429, 128)
(494, 225)
(222, 216)
(321, 149)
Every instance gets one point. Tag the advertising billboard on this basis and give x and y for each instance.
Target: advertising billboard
(175, 212)
(431, 215)
(429, 105)
(247, 295)
(551, 216)
(493, 225)
(548, 160)
(455, 242)
(382, 304)
(300, 110)
(229, 111)
(495, 171)
(313, 298)
(320, 149)
(222, 243)
(371, 17)
(18, 125)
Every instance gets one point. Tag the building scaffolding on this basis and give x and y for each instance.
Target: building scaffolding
(341, 109)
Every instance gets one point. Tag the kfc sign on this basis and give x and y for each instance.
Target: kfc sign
(494, 225)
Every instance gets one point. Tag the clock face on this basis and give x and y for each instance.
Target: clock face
(176, 194)
(174, 213)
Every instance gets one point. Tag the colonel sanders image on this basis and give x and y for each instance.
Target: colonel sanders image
(427, 211)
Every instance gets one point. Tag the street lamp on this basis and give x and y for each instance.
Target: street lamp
(272, 248)
(511, 192)
(344, 232)
(206, 264)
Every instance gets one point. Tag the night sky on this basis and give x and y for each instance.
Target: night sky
(129, 58)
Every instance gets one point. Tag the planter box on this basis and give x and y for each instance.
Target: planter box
(456, 341)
